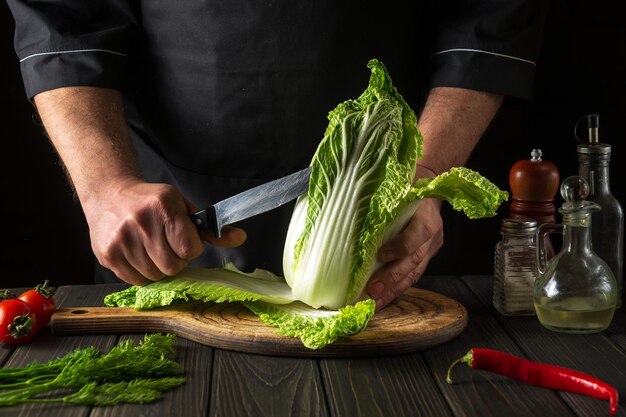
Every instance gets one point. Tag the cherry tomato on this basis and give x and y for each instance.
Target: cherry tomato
(41, 302)
(18, 324)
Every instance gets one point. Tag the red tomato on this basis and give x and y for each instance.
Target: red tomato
(18, 324)
(41, 302)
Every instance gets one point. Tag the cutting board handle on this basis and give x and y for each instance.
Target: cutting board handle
(90, 320)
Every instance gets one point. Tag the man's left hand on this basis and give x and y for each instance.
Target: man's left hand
(407, 255)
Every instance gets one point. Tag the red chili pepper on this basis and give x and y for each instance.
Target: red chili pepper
(539, 374)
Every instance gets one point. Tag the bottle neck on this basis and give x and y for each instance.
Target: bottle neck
(595, 169)
(577, 239)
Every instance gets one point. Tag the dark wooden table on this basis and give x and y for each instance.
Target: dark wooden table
(229, 384)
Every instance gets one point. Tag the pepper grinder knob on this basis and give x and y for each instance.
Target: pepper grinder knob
(534, 182)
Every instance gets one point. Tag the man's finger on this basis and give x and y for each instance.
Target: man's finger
(391, 281)
(231, 237)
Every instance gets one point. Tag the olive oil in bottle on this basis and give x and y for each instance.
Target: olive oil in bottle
(576, 315)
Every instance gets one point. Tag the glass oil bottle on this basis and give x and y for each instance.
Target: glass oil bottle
(608, 223)
(576, 291)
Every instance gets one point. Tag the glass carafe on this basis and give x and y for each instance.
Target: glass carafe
(576, 291)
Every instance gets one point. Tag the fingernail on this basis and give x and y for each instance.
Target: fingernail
(377, 289)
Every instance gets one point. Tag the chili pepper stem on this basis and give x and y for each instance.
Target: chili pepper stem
(466, 359)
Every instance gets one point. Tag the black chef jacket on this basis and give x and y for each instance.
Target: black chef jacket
(222, 95)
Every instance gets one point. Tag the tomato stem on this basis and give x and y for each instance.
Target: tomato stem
(22, 326)
(45, 290)
(6, 294)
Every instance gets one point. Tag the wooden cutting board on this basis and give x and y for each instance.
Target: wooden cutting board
(418, 319)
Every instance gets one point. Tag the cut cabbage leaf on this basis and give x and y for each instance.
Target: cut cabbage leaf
(219, 285)
(265, 294)
(316, 328)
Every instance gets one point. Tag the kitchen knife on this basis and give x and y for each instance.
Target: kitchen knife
(251, 202)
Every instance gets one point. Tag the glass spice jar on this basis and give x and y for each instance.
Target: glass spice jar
(515, 267)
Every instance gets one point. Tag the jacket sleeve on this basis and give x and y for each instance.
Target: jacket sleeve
(72, 42)
(488, 45)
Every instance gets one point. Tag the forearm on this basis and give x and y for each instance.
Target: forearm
(452, 123)
(87, 127)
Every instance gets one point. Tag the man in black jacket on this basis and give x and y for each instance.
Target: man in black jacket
(159, 107)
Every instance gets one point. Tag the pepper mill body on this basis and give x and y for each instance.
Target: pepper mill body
(534, 182)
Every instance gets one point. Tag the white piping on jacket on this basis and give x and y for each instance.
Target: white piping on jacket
(485, 52)
(72, 52)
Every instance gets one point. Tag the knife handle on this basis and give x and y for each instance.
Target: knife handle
(206, 219)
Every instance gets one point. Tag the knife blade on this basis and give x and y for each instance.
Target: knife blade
(249, 203)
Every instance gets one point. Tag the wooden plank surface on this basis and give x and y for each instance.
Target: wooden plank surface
(254, 385)
(225, 383)
(416, 320)
(395, 386)
(479, 393)
(595, 354)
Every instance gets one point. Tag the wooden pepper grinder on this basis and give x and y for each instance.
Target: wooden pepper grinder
(534, 182)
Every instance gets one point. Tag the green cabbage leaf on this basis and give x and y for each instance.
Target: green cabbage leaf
(219, 285)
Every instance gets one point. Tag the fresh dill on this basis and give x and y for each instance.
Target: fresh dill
(129, 373)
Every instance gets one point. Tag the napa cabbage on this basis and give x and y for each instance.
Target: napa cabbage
(362, 193)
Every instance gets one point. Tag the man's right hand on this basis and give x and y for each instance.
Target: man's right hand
(142, 231)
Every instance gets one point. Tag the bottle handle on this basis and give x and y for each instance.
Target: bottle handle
(543, 233)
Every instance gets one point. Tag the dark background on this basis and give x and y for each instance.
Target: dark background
(582, 70)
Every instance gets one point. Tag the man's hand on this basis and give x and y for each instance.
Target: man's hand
(452, 122)
(407, 255)
(142, 231)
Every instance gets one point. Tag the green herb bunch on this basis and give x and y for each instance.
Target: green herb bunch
(129, 373)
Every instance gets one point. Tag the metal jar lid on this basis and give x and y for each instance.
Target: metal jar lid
(518, 226)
